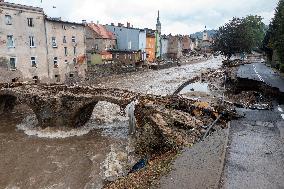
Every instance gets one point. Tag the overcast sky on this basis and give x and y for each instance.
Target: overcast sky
(177, 16)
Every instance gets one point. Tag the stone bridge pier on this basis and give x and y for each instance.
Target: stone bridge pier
(7, 103)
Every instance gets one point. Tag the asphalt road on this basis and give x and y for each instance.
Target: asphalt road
(255, 154)
(261, 72)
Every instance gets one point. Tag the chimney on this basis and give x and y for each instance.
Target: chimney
(128, 25)
(119, 24)
(84, 22)
(112, 24)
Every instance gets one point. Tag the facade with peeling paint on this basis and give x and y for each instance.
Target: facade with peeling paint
(23, 53)
(66, 50)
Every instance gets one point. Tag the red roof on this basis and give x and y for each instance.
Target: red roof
(102, 31)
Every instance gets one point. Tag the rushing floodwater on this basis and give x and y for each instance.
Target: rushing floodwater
(84, 157)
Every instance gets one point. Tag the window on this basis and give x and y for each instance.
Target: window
(36, 80)
(55, 62)
(64, 27)
(96, 47)
(75, 50)
(64, 39)
(65, 51)
(129, 45)
(30, 22)
(10, 41)
(8, 20)
(57, 78)
(66, 61)
(54, 44)
(73, 39)
(117, 55)
(33, 61)
(13, 63)
(71, 75)
(32, 41)
(74, 60)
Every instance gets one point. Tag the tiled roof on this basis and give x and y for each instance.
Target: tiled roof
(102, 31)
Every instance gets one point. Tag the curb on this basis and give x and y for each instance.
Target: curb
(223, 157)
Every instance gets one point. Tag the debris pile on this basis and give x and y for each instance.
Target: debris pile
(234, 63)
(172, 122)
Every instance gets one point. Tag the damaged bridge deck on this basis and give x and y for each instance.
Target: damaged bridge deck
(61, 105)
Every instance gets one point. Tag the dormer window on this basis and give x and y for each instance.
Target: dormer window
(8, 20)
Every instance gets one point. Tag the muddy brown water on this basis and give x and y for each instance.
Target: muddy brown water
(34, 162)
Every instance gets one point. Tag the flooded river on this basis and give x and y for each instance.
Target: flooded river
(83, 157)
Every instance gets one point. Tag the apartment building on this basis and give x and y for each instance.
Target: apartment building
(23, 53)
(66, 48)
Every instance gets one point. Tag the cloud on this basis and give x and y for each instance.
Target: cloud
(177, 16)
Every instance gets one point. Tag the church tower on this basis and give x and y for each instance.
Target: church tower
(205, 35)
(159, 25)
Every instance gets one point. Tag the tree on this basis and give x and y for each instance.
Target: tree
(239, 35)
(278, 32)
(255, 30)
(234, 37)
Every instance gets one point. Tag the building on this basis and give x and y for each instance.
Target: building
(151, 45)
(98, 41)
(129, 38)
(126, 57)
(142, 43)
(174, 47)
(23, 52)
(103, 39)
(66, 50)
(186, 42)
(164, 46)
(206, 43)
(158, 34)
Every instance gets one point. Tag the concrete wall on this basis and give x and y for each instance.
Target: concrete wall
(69, 65)
(127, 38)
(22, 51)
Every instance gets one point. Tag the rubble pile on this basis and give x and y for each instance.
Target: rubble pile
(172, 122)
(234, 63)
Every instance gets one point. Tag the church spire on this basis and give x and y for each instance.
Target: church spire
(158, 25)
